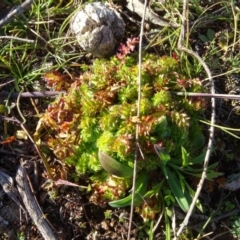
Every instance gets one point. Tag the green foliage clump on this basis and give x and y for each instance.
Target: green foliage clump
(99, 113)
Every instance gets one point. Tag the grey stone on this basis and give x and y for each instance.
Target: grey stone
(98, 28)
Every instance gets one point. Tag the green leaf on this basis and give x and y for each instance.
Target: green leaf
(212, 166)
(113, 166)
(141, 189)
(168, 197)
(203, 38)
(185, 157)
(181, 195)
(211, 173)
(162, 153)
(199, 159)
(167, 226)
(154, 190)
(210, 34)
(150, 231)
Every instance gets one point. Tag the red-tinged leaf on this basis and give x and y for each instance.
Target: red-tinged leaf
(65, 126)
(175, 56)
(131, 43)
(8, 140)
(57, 81)
(125, 49)
(65, 182)
(52, 77)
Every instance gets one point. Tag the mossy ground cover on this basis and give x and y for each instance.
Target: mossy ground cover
(80, 132)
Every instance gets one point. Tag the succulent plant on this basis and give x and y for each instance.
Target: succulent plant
(98, 115)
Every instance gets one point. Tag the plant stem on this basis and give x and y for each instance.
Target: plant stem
(15, 12)
(4, 94)
(208, 95)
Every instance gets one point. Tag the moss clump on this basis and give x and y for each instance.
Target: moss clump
(99, 113)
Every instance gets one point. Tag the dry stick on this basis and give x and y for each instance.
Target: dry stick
(220, 234)
(45, 162)
(202, 21)
(208, 95)
(31, 204)
(218, 218)
(4, 84)
(8, 187)
(211, 129)
(137, 147)
(137, 6)
(235, 20)
(4, 94)
(222, 74)
(15, 12)
(17, 38)
(158, 221)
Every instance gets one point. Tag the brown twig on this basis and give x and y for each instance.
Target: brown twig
(208, 95)
(15, 12)
(4, 84)
(8, 187)
(137, 146)
(17, 38)
(4, 94)
(181, 47)
(137, 7)
(31, 204)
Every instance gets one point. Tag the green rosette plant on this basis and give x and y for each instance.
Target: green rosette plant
(96, 120)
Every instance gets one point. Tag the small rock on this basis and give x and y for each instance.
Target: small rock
(98, 28)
